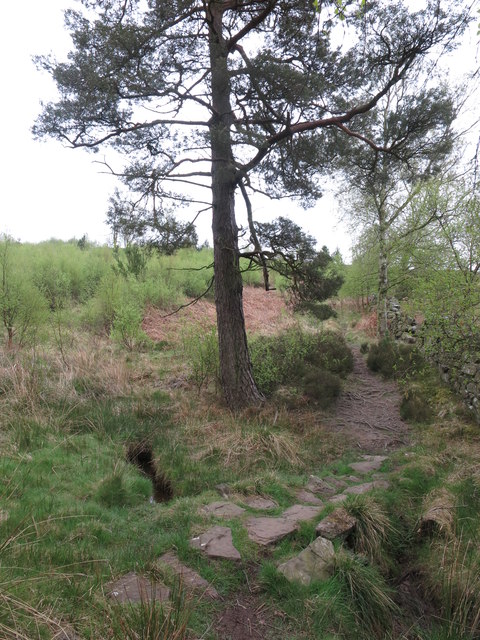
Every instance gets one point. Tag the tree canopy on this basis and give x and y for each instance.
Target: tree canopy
(211, 99)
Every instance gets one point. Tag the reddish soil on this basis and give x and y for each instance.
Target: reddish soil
(265, 312)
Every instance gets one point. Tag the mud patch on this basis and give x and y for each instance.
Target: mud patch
(244, 619)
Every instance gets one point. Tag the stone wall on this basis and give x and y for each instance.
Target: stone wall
(461, 374)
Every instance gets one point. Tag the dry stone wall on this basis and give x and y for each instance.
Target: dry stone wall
(461, 373)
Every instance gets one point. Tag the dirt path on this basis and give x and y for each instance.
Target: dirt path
(368, 411)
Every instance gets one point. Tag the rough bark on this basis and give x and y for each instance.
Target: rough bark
(235, 367)
(382, 280)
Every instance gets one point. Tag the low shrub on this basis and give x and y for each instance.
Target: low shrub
(381, 358)
(200, 348)
(364, 347)
(312, 363)
(127, 325)
(415, 407)
(321, 386)
(331, 352)
(394, 360)
(318, 310)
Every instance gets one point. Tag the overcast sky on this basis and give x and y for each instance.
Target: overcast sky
(50, 191)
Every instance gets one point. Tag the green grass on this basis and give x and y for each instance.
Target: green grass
(74, 514)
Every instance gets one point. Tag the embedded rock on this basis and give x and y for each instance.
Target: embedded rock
(189, 578)
(317, 485)
(338, 483)
(223, 509)
(134, 589)
(301, 512)
(338, 524)
(307, 496)
(216, 543)
(266, 531)
(367, 486)
(369, 463)
(313, 563)
(258, 502)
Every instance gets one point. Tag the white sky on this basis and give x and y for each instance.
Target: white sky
(51, 191)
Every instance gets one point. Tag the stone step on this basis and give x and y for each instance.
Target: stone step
(133, 588)
(265, 531)
(301, 512)
(223, 509)
(307, 496)
(190, 579)
(259, 502)
(321, 487)
(337, 525)
(216, 543)
(367, 486)
(313, 563)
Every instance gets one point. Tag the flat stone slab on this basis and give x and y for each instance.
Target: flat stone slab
(337, 483)
(317, 485)
(264, 530)
(338, 524)
(301, 512)
(369, 463)
(258, 502)
(352, 478)
(190, 578)
(307, 496)
(223, 509)
(134, 589)
(338, 499)
(216, 543)
(313, 563)
(367, 486)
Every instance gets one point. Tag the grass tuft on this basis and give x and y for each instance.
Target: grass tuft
(373, 528)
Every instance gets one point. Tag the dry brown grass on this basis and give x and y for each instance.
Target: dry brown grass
(242, 447)
(453, 580)
(438, 513)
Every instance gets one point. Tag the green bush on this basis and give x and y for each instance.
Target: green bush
(127, 325)
(332, 353)
(382, 357)
(318, 310)
(415, 407)
(201, 350)
(302, 359)
(321, 386)
(395, 360)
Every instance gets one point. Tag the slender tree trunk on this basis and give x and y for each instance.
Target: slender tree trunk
(382, 281)
(235, 367)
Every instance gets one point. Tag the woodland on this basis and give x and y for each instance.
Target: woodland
(255, 439)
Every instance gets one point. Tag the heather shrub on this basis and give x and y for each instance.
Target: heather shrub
(395, 360)
(321, 386)
(319, 310)
(301, 359)
(415, 407)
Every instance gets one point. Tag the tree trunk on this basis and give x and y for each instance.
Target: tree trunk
(382, 282)
(235, 367)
